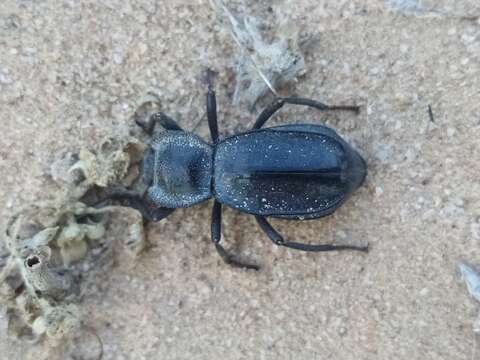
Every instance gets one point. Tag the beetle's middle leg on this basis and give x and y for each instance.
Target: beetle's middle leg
(278, 239)
(217, 236)
(161, 119)
(278, 103)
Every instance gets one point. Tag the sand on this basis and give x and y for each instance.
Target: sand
(74, 72)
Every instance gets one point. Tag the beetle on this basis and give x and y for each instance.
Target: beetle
(294, 171)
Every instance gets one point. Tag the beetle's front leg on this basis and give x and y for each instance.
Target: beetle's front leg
(278, 239)
(217, 236)
(129, 198)
(212, 107)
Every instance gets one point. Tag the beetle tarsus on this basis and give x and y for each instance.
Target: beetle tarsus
(210, 78)
(161, 119)
(323, 247)
(430, 114)
(278, 239)
(230, 260)
(354, 108)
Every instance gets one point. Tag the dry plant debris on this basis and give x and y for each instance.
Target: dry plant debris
(262, 64)
(52, 246)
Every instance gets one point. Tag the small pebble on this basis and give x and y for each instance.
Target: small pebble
(471, 277)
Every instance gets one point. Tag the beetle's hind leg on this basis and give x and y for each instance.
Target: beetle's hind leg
(217, 236)
(159, 118)
(278, 239)
(129, 198)
(278, 103)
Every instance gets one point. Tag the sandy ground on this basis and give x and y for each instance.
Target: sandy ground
(73, 73)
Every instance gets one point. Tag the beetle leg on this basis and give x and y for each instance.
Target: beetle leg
(212, 107)
(278, 103)
(217, 236)
(161, 119)
(279, 240)
(268, 112)
(134, 200)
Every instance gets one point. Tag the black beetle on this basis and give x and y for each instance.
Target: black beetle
(296, 171)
